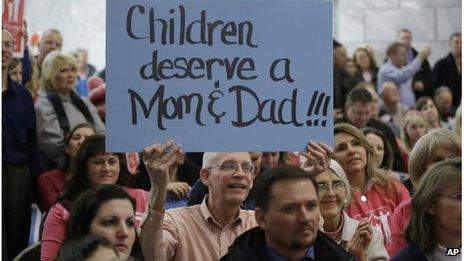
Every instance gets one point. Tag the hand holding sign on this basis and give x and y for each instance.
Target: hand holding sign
(158, 159)
(318, 156)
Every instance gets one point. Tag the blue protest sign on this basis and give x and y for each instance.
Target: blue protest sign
(228, 75)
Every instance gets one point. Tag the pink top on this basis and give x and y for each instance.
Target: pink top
(49, 185)
(55, 223)
(191, 233)
(400, 219)
(378, 205)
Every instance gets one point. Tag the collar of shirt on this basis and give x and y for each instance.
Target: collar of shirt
(274, 256)
(206, 213)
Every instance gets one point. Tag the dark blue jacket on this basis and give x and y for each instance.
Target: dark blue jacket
(410, 252)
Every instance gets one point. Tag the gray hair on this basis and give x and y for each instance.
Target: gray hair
(338, 170)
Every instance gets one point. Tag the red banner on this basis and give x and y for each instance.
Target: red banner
(12, 18)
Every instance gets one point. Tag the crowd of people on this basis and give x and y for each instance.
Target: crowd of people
(389, 187)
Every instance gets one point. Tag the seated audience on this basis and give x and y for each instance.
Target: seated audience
(435, 224)
(391, 106)
(90, 248)
(53, 182)
(435, 146)
(398, 71)
(59, 109)
(92, 166)
(358, 113)
(427, 108)
(200, 232)
(443, 98)
(375, 194)
(288, 215)
(359, 238)
(107, 211)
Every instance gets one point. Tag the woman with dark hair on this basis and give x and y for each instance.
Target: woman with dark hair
(92, 166)
(426, 106)
(53, 182)
(382, 148)
(88, 248)
(107, 211)
(436, 214)
(59, 108)
(364, 59)
(375, 195)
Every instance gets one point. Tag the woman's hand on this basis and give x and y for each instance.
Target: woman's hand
(360, 241)
(318, 156)
(179, 189)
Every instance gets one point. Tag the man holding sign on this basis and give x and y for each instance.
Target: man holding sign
(192, 233)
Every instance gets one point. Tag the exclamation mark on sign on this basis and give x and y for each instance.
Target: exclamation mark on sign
(315, 107)
(324, 111)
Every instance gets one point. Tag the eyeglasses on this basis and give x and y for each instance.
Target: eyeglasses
(230, 165)
(454, 196)
(323, 188)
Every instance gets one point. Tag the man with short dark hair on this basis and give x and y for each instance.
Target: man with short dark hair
(443, 98)
(287, 212)
(358, 113)
(448, 70)
(398, 71)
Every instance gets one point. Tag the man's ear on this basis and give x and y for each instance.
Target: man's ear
(347, 105)
(205, 177)
(260, 217)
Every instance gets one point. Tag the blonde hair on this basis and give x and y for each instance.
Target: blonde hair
(412, 117)
(52, 65)
(372, 171)
(425, 147)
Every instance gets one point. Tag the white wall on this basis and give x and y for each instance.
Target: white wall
(357, 22)
(82, 23)
(376, 22)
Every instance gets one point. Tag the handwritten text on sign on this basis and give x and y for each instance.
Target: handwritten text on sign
(219, 75)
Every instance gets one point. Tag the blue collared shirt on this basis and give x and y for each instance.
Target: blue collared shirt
(274, 256)
(18, 128)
